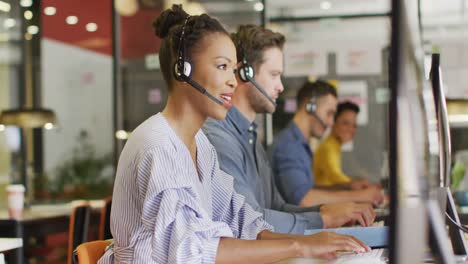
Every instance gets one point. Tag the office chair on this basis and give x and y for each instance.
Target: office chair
(104, 223)
(78, 229)
(90, 252)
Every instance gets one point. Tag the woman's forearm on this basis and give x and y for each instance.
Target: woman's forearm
(273, 249)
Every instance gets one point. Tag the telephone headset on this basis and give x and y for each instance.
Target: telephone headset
(311, 108)
(183, 68)
(247, 74)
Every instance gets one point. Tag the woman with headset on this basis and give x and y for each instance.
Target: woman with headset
(171, 202)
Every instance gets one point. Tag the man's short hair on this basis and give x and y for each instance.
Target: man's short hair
(315, 89)
(252, 40)
(346, 106)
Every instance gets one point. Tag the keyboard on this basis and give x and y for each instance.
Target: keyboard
(375, 256)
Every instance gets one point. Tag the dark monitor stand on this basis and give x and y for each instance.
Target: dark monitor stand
(438, 239)
(456, 235)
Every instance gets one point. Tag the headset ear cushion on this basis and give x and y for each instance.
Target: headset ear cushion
(311, 107)
(246, 71)
(187, 69)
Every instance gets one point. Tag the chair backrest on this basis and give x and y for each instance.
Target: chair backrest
(91, 252)
(78, 229)
(104, 225)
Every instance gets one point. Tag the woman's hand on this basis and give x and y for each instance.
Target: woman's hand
(326, 244)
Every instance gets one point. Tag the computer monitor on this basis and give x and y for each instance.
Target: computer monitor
(443, 192)
(413, 145)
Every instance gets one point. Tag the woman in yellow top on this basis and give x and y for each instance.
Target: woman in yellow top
(327, 157)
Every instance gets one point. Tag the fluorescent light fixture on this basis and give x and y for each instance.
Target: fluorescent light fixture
(26, 3)
(33, 29)
(91, 27)
(258, 7)
(72, 20)
(9, 23)
(4, 6)
(50, 10)
(458, 118)
(325, 5)
(28, 14)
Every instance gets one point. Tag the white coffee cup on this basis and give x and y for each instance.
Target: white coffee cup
(15, 194)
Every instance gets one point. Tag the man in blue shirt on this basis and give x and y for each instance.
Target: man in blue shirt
(260, 54)
(291, 156)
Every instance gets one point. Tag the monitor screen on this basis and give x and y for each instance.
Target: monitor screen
(413, 138)
(442, 192)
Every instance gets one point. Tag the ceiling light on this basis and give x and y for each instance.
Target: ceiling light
(71, 20)
(27, 117)
(91, 27)
(458, 118)
(2, 127)
(258, 7)
(126, 7)
(48, 126)
(122, 134)
(4, 6)
(50, 10)
(194, 8)
(28, 14)
(325, 5)
(33, 29)
(9, 23)
(26, 3)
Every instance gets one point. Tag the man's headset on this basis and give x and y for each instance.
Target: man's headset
(183, 68)
(247, 74)
(311, 108)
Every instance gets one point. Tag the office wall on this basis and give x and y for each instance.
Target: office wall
(77, 85)
(76, 78)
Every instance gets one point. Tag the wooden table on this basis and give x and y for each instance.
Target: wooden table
(37, 221)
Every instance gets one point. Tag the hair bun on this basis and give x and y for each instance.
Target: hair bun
(169, 18)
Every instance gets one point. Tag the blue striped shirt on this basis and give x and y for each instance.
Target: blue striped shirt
(164, 210)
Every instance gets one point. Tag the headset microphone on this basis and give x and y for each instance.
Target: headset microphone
(311, 108)
(202, 90)
(183, 68)
(246, 74)
(320, 120)
(252, 80)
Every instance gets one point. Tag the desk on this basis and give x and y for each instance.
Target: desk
(10, 243)
(37, 221)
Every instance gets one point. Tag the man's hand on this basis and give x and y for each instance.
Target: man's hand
(339, 214)
(360, 184)
(373, 195)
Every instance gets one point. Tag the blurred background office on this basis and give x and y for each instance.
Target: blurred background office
(94, 66)
(76, 77)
